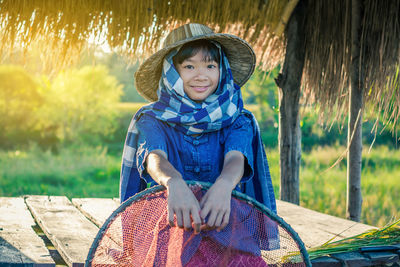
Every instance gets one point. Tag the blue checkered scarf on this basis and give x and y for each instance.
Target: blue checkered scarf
(175, 108)
(178, 110)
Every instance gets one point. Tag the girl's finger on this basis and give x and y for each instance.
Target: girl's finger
(204, 212)
(187, 222)
(225, 221)
(212, 218)
(196, 220)
(218, 219)
(203, 200)
(171, 217)
(179, 218)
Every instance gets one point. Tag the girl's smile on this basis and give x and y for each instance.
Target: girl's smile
(200, 76)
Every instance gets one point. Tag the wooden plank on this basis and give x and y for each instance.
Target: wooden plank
(326, 262)
(352, 259)
(383, 257)
(96, 209)
(53, 251)
(19, 244)
(69, 230)
(316, 228)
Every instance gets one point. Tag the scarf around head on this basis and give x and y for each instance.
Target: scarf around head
(174, 107)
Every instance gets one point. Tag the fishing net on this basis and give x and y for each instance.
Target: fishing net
(138, 234)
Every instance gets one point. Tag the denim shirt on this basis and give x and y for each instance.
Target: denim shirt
(198, 158)
(201, 158)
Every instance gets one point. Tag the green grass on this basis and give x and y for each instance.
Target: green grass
(323, 187)
(93, 172)
(74, 172)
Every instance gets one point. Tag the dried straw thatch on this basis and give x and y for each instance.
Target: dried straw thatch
(328, 54)
(61, 29)
(137, 27)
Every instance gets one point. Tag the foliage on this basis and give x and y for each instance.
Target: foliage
(261, 94)
(20, 100)
(83, 104)
(118, 67)
(79, 105)
(125, 113)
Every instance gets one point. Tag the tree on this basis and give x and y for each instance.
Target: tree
(83, 103)
(20, 99)
(354, 136)
(118, 67)
(289, 82)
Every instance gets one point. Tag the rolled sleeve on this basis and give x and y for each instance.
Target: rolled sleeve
(151, 137)
(239, 138)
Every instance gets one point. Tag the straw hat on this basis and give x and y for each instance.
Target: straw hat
(241, 57)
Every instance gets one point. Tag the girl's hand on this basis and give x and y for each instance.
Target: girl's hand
(183, 204)
(181, 200)
(216, 204)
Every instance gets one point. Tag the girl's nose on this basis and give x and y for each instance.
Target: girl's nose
(201, 76)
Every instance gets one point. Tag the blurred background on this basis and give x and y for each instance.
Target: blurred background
(63, 133)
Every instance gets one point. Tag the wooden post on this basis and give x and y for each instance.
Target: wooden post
(289, 82)
(354, 136)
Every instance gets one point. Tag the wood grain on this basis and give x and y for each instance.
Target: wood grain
(315, 228)
(19, 244)
(68, 229)
(96, 209)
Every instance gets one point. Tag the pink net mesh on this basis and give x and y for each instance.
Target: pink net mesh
(140, 235)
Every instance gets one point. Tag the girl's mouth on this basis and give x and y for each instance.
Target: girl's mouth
(200, 89)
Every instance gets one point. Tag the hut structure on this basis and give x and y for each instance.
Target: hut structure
(343, 55)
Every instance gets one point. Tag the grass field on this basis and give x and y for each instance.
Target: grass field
(93, 172)
(85, 172)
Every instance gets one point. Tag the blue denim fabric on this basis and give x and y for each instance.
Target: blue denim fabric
(201, 158)
(197, 158)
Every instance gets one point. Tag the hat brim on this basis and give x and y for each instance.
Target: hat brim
(240, 55)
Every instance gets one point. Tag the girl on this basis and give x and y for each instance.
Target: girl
(196, 129)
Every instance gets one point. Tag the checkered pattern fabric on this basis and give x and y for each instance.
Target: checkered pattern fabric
(178, 110)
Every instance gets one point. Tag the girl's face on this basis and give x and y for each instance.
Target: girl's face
(200, 77)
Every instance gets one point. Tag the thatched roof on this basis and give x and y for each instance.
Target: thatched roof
(61, 28)
(328, 54)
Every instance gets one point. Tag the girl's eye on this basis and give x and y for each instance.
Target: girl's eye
(212, 66)
(188, 67)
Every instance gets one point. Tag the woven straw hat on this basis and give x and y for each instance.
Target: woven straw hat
(241, 57)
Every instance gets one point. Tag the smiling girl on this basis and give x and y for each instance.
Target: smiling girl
(196, 129)
(200, 71)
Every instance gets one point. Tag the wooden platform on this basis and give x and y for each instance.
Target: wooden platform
(53, 230)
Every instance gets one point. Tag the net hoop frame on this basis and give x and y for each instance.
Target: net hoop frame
(204, 185)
